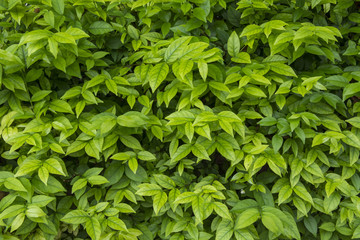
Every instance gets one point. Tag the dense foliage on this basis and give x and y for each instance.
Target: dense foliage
(179, 119)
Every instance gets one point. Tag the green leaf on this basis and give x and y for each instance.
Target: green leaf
(12, 211)
(284, 37)
(185, 67)
(177, 236)
(242, 57)
(48, 228)
(130, 119)
(219, 86)
(185, 197)
(93, 228)
(40, 95)
(355, 121)
(28, 167)
(75, 146)
(63, 37)
(60, 106)
(303, 193)
(76, 33)
(93, 82)
(97, 180)
(181, 152)
(224, 230)
(225, 148)
(34, 211)
(246, 218)
(277, 142)
(350, 90)
(328, 226)
(233, 44)
(272, 222)
(175, 49)
(198, 207)
(75, 217)
(314, 3)
(282, 69)
(14, 184)
(273, 24)
(356, 233)
(71, 93)
(133, 32)
(53, 185)
(284, 194)
(250, 30)
(31, 36)
(122, 156)
(58, 6)
(17, 222)
(116, 224)
(79, 184)
(92, 172)
(243, 234)
(131, 142)
(200, 14)
(133, 164)
(189, 130)
(268, 121)
(139, 3)
(311, 225)
(41, 200)
(222, 210)
(290, 227)
(332, 202)
(100, 28)
(125, 208)
(157, 75)
(54, 166)
(164, 181)
(200, 151)
(92, 150)
(159, 200)
(351, 139)
(147, 189)
(255, 91)
(203, 69)
(43, 174)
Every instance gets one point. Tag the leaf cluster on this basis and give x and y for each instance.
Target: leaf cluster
(179, 119)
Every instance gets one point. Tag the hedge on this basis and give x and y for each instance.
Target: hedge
(179, 119)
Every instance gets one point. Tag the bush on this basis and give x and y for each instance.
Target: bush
(175, 119)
